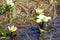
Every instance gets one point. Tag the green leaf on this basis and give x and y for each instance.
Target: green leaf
(52, 29)
(0, 10)
(3, 33)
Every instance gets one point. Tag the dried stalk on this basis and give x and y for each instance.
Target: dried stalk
(50, 36)
(54, 16)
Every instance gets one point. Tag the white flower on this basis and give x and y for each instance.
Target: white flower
(12, 28)
(45, 19)
(39, 11)
(42, 18)
(9, 2)
(38, 20)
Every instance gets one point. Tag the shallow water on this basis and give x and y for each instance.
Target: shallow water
(31, 32)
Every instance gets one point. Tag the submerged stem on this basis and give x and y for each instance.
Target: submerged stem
(50, 36)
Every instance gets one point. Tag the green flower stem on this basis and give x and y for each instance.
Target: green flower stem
(11, 35)
(43, 36)
(38, 38)
(40, 26)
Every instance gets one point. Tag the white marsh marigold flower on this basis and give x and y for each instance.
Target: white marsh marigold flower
(39, 11)
(12, 28)
(42, 18)
(10, 2)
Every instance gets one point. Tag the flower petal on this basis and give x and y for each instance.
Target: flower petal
(40, 16)
(15, 28)
(12, 4)
(38, 20)
(9, 27)
(9, 2)
(39, 11)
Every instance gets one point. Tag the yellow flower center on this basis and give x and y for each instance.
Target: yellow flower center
(44, 19)
(12, 29)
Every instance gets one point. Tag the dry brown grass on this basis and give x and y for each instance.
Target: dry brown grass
(22, 9)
